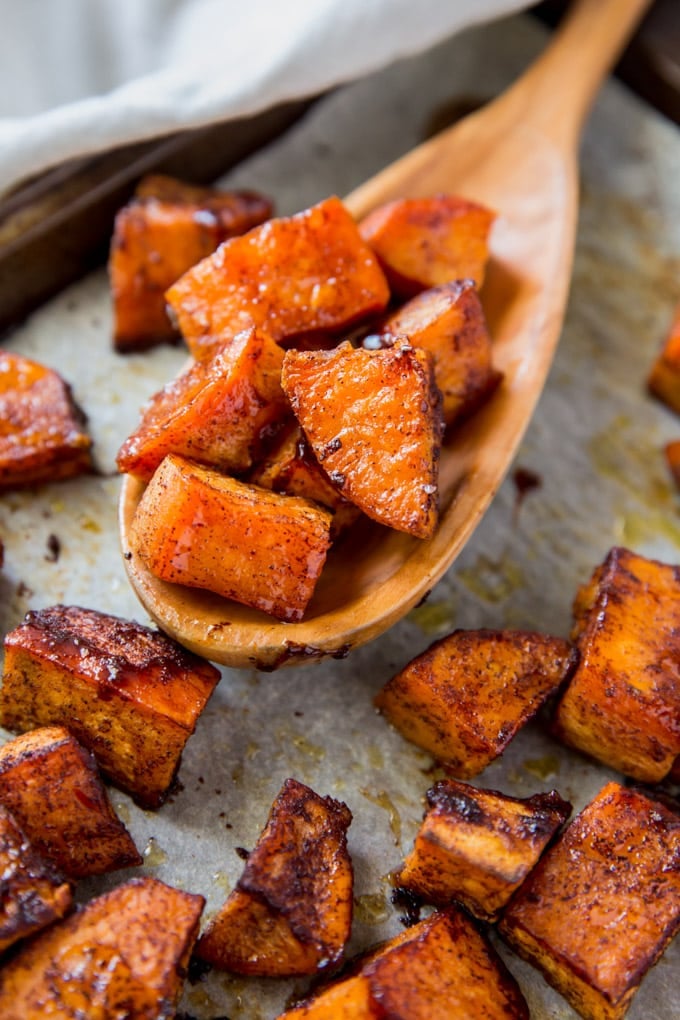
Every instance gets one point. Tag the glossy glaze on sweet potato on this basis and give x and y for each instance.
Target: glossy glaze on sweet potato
(467, 695)
(291, 911)
(128, 693)
(664, 376)
(477, 846)
(51, 785)
(271, 547)
(310, 271)
(622, 705)
(124, 956)
(603, 902)
(218, 411)
(373, 420)
(424, 242)
(166, 229)
(42, 431)
(448, 321)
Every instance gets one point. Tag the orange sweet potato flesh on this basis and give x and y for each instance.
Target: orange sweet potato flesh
(621, 705)
(218, 411)
(424, 242)
(467, 695)
(34, 894)
(346, 1000)
(51, 785)
(126, 692)
(123, 955)
(449, 322)
(307, 272)
(603, 902)
(664, 376)
(272, 547)
(291, 912)
(42, 432)
(373, 420)
(165, 230)
(672, 455)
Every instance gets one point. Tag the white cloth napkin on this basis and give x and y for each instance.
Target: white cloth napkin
(80, 76)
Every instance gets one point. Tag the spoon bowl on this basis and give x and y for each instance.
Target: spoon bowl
(518, 156)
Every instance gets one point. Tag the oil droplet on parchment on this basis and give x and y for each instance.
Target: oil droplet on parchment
(371, 908)
(383, 800)
(153, 854)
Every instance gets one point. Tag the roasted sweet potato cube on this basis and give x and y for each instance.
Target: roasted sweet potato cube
(217, 411)
(622, 706)
(272, 547)
(291, 912)
(166, 229)
(478, 846)
(373, 420)
(349, 999)
(664, 376)
(34, 894)
(311, 271)
(449, 322)
(468, 694)
(125, 954)
(42, 431)
(603, 902)
(128, 693)
(51, 785)
(424, 242)
(672, 455)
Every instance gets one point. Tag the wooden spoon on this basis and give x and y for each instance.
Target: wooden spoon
(519, 156)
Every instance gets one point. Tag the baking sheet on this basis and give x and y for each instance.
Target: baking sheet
(595, 447)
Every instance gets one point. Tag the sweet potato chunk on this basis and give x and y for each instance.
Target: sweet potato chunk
(622, 706)
(672, 455)
(468, 694)
(127, 693)
(166, 229)
(42, 432)
(272, 547)
(478, 846)
(664, 376)
(441, 967)
(424, 242)
(449, 322)
(311, 271)
(33, 893)
(217, 411)
(52, 787)
(373, 420)
(292, 909)
(123, 955)
(603, 902)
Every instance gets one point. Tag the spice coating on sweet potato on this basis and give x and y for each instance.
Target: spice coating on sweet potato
(127, 693)
(42, 432)
(664, 376)
(373, 420)
(272, 547)
(424, 242)
(216, 412)
(123, 955)
(311, 271)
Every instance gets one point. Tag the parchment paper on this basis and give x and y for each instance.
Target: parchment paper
(595, 446)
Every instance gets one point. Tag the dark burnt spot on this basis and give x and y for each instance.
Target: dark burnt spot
(53, 548)
(409, 902)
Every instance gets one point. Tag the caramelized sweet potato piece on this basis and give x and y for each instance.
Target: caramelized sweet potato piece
(166, 229)
(672, 455)
(127, 693)
(622, 706)
(664, 376)
(478, 846)
(217, 411)
(125, 954)
(42, 433)
(349, 999)
(449, 322)
(373, 420)
(291, 912)
(311, 271)
(468, 694)
(272, 547)
(52, 787)
(424, 242)
(33, 893)
(603, 902)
